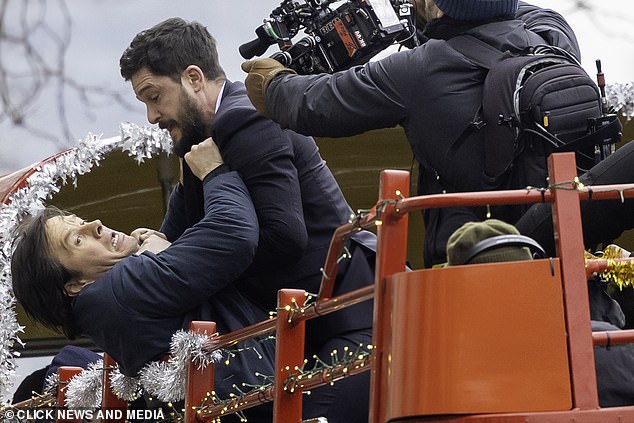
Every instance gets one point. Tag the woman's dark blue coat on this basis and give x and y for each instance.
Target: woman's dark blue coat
(133, 310)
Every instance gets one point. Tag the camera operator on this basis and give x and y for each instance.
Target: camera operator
(432, 91)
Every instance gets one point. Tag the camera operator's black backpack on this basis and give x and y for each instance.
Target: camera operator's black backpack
(534, 103)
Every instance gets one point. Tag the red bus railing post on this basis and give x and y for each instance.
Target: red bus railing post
(109, 400)
(200, 382)
(65, 373)
(390, 258)
(569, 244)
(289, 356)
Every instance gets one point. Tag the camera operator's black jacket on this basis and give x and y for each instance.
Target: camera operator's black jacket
(432, 91)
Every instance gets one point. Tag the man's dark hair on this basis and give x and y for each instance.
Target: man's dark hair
(169, 47)
(38, 278)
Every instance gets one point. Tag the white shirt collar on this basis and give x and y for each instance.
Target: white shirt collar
(222, 89)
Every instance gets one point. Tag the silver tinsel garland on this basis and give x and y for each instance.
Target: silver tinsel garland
(140, 142)
(621, 97)
(85, 389)
(51, 382)
(125, 387)
(164, 380)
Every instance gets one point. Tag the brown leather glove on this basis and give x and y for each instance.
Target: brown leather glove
(260, 73)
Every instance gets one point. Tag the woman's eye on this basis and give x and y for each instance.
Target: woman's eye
(78, 240)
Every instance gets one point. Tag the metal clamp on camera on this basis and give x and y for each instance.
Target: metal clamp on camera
(335, 38)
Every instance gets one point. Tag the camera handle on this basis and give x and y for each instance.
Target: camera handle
(258, 46)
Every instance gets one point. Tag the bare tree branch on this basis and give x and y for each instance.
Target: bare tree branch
(33, 45)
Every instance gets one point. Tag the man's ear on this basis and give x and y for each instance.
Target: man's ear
(194, 77)
(74, 286)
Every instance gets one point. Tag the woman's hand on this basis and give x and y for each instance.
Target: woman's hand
(141, 234)
(154, 244)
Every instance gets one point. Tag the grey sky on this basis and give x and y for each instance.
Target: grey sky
(101, 30)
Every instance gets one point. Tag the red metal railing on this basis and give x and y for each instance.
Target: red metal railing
(390, 216)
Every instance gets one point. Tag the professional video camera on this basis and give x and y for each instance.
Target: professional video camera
(335, 38)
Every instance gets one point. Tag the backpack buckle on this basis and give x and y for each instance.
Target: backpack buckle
(506, 121)
(478, 124)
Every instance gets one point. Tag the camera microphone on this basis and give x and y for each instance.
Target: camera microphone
(253, 48)
(258, 46)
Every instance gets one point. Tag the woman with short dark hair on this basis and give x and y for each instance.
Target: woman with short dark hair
(130, 294)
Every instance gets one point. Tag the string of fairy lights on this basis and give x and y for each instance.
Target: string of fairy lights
(348, 363)
(84, 391)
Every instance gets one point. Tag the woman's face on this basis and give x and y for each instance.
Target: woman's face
(89, 248)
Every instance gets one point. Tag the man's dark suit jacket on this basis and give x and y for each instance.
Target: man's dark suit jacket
(298, 204)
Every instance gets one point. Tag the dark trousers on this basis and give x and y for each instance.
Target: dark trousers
(603, 221)
(615, 370)
(347, 400)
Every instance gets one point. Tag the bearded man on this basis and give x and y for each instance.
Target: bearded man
(175, 72)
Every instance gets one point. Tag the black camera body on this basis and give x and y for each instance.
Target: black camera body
(335, 38)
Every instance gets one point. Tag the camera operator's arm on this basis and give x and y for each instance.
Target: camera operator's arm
(340, 104)
(260, 73)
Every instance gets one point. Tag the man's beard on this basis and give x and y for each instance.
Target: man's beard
(192, 126)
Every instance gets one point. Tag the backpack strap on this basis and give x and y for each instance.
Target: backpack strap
(478, 51)
(485, 56)
(483, 53)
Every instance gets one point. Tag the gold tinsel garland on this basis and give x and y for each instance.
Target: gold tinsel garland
(618, 271)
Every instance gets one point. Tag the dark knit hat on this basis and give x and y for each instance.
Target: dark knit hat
(477, 10)
(460, 243)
